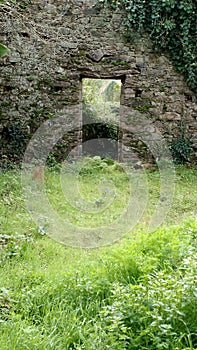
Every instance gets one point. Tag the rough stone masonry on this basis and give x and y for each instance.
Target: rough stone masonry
(53, 45)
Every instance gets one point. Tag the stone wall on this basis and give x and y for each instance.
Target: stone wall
(53, 45)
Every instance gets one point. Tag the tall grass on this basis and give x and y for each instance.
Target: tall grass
(140, 293)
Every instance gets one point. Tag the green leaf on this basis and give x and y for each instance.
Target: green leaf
(3, 50)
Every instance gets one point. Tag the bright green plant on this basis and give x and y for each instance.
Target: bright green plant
(3, 50)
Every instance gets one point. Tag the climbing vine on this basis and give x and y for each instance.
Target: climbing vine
(181, 146)
(171, 26)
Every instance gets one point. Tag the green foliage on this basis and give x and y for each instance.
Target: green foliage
(90, 88)
(100, 129)
(140, 293)
(99, 91)
(5, 304)
(101, 102)
(3, 50)
(15, 137)
(171, 26)
(95, 166)
(181, 146)
(156, 313)
(52, 163)
(181, 149)
(13, 245)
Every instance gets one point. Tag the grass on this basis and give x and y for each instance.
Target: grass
(139, 293)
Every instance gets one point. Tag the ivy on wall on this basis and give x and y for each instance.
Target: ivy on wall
(171, 26)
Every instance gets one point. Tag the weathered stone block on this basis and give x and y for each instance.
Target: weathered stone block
(77, 39)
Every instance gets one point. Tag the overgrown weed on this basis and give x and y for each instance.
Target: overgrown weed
(140, 293)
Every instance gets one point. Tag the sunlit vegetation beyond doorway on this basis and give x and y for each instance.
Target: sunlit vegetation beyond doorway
(100, 113)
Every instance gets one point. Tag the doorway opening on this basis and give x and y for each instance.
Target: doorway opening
(100, 117)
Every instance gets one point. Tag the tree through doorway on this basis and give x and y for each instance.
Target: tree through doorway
(100, 117)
